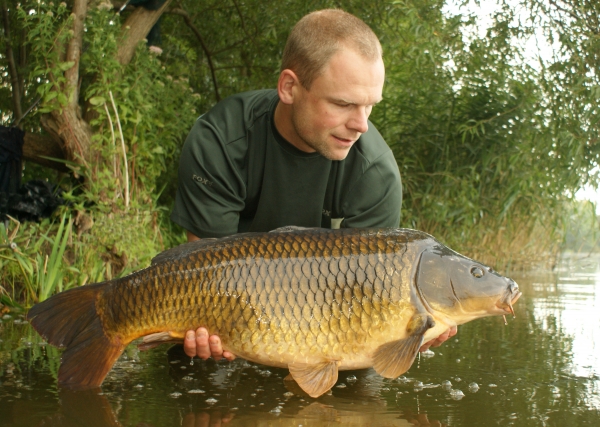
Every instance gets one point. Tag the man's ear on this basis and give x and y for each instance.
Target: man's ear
(288, 81)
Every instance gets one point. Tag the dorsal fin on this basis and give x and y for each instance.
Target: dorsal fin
(289, 228)
(183, 250)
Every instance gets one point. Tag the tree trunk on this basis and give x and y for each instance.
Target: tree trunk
(67, 125)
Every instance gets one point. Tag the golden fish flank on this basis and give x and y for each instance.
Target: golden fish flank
(312, 300)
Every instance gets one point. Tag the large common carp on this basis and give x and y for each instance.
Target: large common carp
(314, 301)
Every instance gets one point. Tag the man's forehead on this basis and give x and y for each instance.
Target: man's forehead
(350, 100)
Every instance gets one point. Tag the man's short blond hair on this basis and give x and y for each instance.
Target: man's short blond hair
(319, 35)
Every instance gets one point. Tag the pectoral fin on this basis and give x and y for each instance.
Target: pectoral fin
(395, 358)
(315, 379)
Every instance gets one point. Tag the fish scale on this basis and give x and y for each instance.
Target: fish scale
(312, 300)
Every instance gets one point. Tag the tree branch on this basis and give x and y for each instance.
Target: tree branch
(36, 147)
(190, 24)
(136, 27)
(74, 51)
(12, 68)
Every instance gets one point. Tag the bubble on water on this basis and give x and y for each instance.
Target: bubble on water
(183, 367)
(173, 362)
(211, 400)
(402, 380)
(492, 385)
(139, 386)
(351, 379)
(265, 373)
(427, 353)
(446, 385)
(457, 360)
(385, 389)
(342, 385)
(418, 385)
(457, 379)
(288, 394)
(398, 394)
(473, 387)
(175, 394)
(456, 394)
(187, 378)
(253, 394)
(196, 391)
(276, 410)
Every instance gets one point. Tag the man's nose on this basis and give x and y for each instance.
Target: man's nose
(359, 120)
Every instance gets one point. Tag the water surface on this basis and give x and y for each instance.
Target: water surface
(542, 369)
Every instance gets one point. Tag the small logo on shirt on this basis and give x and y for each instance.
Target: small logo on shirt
(326, 212)
(202, 180)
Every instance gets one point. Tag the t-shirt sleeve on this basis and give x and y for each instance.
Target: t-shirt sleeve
(375, 200)
(211, 192)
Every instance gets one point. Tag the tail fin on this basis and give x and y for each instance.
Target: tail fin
(69, 319)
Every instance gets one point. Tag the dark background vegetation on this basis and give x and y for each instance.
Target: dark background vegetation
(492, 142)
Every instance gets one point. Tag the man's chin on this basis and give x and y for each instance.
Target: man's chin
(336, 155)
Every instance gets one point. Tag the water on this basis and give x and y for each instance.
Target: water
(543, 369)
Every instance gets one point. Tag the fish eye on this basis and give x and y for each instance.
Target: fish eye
(477, 272)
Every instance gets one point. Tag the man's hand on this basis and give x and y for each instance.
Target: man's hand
(439, 340)
(199, 344)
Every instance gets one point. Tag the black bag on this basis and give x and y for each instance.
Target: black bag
(11, 153)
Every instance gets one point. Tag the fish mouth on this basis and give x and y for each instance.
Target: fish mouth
(512, 294)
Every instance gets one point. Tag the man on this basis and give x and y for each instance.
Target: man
(303, 155)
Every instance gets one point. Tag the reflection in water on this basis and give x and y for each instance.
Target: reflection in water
(543, 369)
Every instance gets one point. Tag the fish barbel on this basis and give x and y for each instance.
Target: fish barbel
(314, 301)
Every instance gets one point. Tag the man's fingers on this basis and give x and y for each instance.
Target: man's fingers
(439, 340)
(229, 356)
(436, 342)
(202, 346)
(215, 347)
(189, 344)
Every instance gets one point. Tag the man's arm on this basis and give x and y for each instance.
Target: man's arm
(198, 343)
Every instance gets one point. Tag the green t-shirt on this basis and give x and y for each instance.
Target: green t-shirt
(237, 174)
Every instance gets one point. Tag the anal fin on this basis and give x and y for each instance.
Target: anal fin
(394, 358)
(315, 379)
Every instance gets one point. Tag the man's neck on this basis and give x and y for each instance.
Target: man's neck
(283, 124)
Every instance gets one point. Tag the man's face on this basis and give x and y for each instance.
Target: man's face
(332, 114)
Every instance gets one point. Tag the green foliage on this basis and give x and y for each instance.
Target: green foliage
(42, 272)
(48, 28)
(582, 231)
